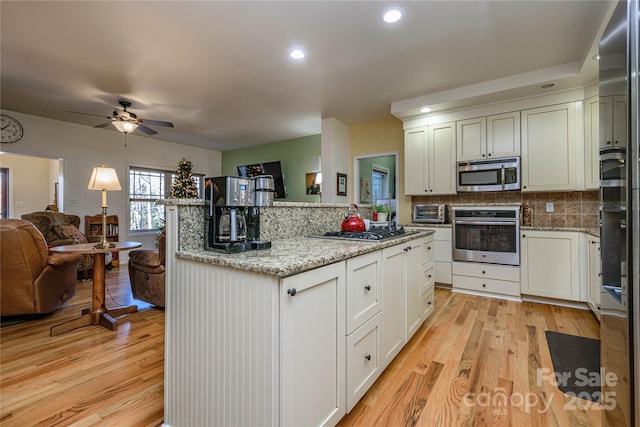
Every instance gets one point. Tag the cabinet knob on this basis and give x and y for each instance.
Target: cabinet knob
(430, 190)
(367, 287)
(429, 302)
(483, 155)
(524, 186)
(428, 247)
(292, 292)
(368, 357)
(429, 276)
(524, 235)
(484, 285)
(489, 155)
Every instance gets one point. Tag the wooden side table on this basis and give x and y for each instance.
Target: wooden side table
(98, 314)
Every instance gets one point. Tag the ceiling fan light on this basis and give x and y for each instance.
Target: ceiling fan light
(124, 127)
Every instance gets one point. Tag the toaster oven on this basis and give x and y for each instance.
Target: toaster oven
(434, 213)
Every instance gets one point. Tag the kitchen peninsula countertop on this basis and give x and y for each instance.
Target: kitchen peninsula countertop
(291, 256)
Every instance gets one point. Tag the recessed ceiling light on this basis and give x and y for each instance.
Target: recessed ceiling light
(596, 57)
(547, 85)
(393, 14)
(425, 110)
(297, 53)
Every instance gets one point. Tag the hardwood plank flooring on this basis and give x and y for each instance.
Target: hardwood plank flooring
(479, 362)
(89, 376)
(473, 363)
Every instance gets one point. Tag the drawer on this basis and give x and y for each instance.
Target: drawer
(363, 299)
(486, 285)
(428, 250)
(364, 356)
(427, 305)
(490, 271)
(428, 279)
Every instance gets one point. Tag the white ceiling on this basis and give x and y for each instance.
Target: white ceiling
(220, 70)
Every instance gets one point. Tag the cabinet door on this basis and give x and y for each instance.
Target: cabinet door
(594, 274)
(591, 144)
(415, 161)
(471, 137)
(548, 148)
(605, 114)
(363, 360)
(413, 289)
(619, 121)
(364, 274)
(312, 352)
(503, 135)
(550, 264)
(442, 159)
(392, 305)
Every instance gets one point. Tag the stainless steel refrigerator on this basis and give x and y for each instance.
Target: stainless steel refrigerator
(619, 217)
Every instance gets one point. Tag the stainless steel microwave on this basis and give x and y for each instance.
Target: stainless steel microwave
(434, 214)
(489, 175)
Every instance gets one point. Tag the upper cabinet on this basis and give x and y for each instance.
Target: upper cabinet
(613, 132)
(430, 158)
(489, 137)
(591, 144)
(548, 148)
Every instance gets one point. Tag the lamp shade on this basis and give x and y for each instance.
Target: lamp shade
(124, 126)
(104, 178)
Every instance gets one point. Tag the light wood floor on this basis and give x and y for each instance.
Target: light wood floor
(469, 354)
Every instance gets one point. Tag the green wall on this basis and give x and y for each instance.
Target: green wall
(295, 155)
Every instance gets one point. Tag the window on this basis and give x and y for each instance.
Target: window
(145, 187)
(380, 182)
(4, 193)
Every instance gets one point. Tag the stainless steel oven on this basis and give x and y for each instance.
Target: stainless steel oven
(487, 234)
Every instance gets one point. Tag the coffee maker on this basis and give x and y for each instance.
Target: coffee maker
(232, 222)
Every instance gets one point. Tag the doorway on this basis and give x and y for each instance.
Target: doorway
(376, 180)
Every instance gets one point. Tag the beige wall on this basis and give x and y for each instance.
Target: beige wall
(382, 136)
(31, 183)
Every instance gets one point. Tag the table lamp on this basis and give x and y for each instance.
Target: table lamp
(104, 179)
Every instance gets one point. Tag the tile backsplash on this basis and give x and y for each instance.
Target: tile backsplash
(576, 209)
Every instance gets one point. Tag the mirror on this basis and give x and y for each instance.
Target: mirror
(376, 180)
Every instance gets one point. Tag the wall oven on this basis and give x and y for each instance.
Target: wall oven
(487, 234)
(489, 175)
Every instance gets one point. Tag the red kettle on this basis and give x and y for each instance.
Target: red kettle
(353, 222)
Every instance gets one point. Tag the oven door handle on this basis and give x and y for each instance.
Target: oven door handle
(502, 176)
(463, 222)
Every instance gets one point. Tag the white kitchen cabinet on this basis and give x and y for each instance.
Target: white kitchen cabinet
(488, 137)
(594, 275)
(591, 143)
(312, 321)
(430, 157)
(550, 264)
(402, 278)
(443, 253)
(363, 300)
(613, 115)
(548, 148)
(478, 278)
(364, 360)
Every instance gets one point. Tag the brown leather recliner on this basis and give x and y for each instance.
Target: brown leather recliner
(60, 229)
(146, 272)
(32, 281)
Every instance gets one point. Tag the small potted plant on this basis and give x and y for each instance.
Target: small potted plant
(383, 212)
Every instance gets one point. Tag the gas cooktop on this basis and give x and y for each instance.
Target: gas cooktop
(373, 235)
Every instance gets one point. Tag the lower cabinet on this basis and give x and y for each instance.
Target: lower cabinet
(312, 362)
(594, 275)
(497, 280)
(363, 359)
(550, 264)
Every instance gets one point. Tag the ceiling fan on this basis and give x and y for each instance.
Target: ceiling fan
(126, 121)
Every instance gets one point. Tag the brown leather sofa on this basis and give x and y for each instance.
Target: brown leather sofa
(146, 272)
(32, 281)
(63, 229)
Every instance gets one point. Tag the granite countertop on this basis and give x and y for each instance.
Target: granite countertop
(295, 255)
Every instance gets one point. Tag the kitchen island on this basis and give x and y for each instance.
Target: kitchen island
(293, 335)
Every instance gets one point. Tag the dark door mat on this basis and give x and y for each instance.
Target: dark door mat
(576, 362)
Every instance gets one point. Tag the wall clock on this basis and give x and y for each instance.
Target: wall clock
(10, 129)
